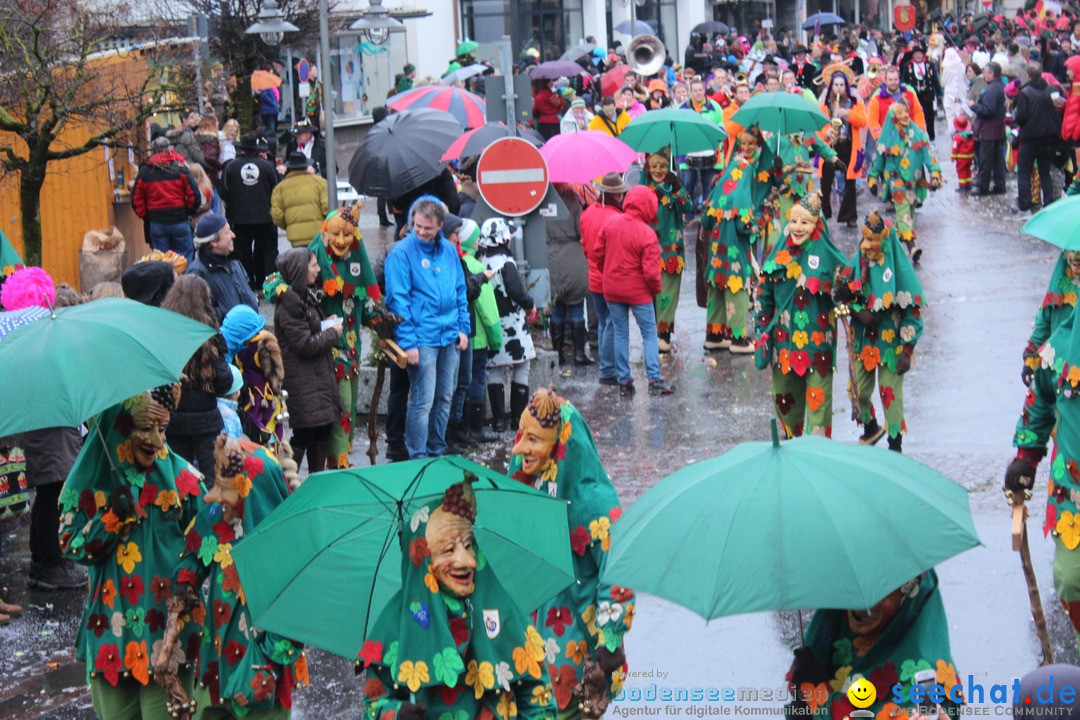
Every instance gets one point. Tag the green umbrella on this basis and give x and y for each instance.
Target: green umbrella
(1056, 224)
(685, 131)
(810, 523)
(321, 567)
(68, 367)
(781, 113)
(467, 47)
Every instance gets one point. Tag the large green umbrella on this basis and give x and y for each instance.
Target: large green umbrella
(781, 113)
(321, 567)
(809, 523)
(68, 367)
(1056, 223)
(685, 131)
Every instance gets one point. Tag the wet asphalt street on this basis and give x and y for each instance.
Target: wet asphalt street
(983, 283)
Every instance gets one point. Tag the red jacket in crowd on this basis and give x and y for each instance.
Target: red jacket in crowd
(628, 253)
(593, 220)
(548, 106)
(165, 192)
(1070, 119)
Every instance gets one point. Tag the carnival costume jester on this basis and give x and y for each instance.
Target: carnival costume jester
(904, 635)
(451, 643)
(732, 221)
(1057, 305)
(886, 300)
(904, 167)
(797, 179)
(674, 204)
(125, 505)
(796, 321)
(242, 672)
(554, 452)
(1051, 409)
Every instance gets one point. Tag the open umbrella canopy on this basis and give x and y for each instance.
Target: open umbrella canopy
(781, 113)
(321, 567)
(823, 19)
(554, 69)
(468, 108)
(809, 523)
(476, 140)
(402, 152)
(712, 27)
(1056, 223)
(463, 74)
(613, 79)
(63, 369)
(685, 131)
(637, 27)
(578, 51)
(582, 156)
(264, 80)
(12, 319)
(467, 47)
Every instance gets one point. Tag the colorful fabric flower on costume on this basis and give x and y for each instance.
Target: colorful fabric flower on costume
(124, 556)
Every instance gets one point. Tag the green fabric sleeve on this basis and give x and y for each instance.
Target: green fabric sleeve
(821, 148)
(1037, 420)
(1041, 332)
(912, 318)
(613, 631)
(87, 531)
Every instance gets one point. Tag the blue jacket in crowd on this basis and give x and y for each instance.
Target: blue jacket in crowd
(426, 287)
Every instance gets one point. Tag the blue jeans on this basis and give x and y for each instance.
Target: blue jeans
(175, 237)
(464, 380)
(690, 178)
(646, 320)
(575, 311)
(478, 384)
(432, 383)
(605, 335)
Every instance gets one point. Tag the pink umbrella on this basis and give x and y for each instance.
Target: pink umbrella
(579, 157)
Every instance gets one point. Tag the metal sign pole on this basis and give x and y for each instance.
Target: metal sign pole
(506, 67)
(328, 106)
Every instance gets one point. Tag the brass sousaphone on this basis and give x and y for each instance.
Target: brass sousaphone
(645, 55)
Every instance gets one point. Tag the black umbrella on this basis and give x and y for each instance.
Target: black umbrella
(578, 51)
(711, 27)
(554, 69)
(402, 152)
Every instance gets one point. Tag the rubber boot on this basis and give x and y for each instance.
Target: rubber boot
(558, 339)
(453, 447)
(580, 356)
(474, 416)
(663, 341)
(497, 397)
(896, 443)
(519, 400)
(872, 432)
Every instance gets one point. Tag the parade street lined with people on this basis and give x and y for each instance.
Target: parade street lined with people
(703, 393)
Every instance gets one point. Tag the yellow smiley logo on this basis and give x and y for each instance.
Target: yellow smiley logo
(862, 693)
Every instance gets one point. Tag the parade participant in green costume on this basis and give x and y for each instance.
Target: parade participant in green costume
(1051, 409)
(797, 178)
(554, 452)
(733, 220)
(451, 643)
(904, 167)
(1057, 304)
(675, 203)
(796, 320)
(242, 672)
(885, 298)
(904, 634)
(125, 505)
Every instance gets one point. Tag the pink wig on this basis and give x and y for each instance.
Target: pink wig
(26, 288)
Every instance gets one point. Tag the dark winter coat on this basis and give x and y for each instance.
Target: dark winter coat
(164, 191)
(211, 150)
(566, 259)
(227, 279)
(1035, 114)
(197, 413)
(247, 183)
(50, 453)
(318, 154)
(990, 109)
(306, 349)
(186, 145)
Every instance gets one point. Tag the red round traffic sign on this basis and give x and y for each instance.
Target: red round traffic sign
(512, 176)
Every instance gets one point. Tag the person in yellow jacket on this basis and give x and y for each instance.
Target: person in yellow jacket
(611, 118)
(299, 203)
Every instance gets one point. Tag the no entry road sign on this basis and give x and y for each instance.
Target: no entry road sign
(512, 177)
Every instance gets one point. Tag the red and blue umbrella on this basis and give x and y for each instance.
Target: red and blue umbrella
(469, 109)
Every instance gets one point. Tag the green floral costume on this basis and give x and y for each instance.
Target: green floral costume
(132, 564)
(10, 260)
(916, 639)
(459, 656)
(903, 161)
(669, 232)
(239, 666)
(796, 326)
(347, 283)
(795, 185)
(891, 289)
(732, 221)
(1051, 409)
(1057, 304)
(590, 612)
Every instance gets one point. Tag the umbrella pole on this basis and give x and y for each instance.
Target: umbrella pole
(1020, 543)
